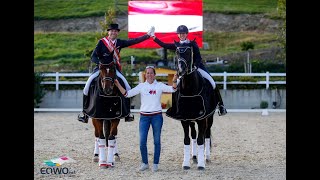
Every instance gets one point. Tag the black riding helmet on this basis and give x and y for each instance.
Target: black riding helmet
(182, 29)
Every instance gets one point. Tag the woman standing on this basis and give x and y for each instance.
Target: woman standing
(150, 113)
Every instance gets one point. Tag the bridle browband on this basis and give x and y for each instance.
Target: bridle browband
(181, 50)
(107, 78)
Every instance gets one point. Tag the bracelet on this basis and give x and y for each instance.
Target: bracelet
(125, 93)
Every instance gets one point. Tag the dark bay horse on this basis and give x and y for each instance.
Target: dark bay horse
(194, 101)
(107, 107)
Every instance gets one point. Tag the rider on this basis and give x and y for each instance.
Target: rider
(182, 32)
(104, 47)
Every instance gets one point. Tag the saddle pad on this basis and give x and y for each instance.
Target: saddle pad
(187, 108)
(107, 107)
(101, 106)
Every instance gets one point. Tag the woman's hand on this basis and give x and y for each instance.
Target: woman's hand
(175, 77)
(116, 82)
(122, 90)
(174, 81)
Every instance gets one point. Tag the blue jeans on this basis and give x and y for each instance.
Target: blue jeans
(156, 122)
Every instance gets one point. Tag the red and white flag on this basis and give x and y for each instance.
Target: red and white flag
(165, 16)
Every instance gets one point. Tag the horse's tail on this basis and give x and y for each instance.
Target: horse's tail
(208, 132)
(210, 140)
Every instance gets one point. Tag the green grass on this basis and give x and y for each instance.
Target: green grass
(222, 43)
(240, 6)
(66, 51)
(62, 51)
(63, 9)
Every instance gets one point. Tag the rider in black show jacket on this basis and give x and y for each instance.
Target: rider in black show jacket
(196, 52)
(100, 53)
(101, 49)
(182, 32)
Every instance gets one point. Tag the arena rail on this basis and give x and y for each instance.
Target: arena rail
(267, 82)
(163, 110)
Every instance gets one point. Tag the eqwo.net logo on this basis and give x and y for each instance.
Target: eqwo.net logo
(58, 161)
(54, 166)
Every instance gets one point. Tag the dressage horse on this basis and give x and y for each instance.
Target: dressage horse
(106, 108)
(194, 101)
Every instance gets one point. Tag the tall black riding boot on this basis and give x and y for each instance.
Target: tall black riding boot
(130, 117)
(222, 110)
(82, 117)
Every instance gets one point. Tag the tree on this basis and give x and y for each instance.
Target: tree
(38, 90)
(246, 46)
(282, 31)
(109, 18)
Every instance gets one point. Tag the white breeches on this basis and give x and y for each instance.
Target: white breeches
(94, 75)
(124, 80)
(208, 77)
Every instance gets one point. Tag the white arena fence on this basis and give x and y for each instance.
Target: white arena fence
(263, 111)
(267, 82)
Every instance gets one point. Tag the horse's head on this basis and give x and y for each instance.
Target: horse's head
(107, 76)
(186, 69)
(184, 64)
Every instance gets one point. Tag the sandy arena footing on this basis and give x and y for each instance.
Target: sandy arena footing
(245, 146)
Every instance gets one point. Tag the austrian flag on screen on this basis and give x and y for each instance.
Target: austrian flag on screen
(165, 16)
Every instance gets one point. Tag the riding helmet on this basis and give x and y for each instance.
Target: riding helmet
(182, 29)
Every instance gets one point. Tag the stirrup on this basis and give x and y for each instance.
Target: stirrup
(129, 118)
(222, 110)
(82, 117)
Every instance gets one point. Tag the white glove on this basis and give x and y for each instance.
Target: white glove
(151, 31)
(152, 34)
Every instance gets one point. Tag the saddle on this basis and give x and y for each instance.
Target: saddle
(194, 107)
(106, 107)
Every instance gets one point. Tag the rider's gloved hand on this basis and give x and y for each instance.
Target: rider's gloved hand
(151, 31)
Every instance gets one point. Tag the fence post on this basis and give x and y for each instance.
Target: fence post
(224, 80)
(267, 79)
(57, 80)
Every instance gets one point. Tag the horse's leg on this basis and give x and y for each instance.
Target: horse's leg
(115, 150)
(186, 149)
(112, 140)
(106, 126)
(96, 143)
(193, 142)
(200, 141)
(208, 138)
(98, 124)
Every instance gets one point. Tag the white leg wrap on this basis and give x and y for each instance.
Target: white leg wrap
(110, 150)
(96, 146)
(115, 150)
(201, 156)
(102, 152)
(207, 148)
(186, 156)
(194, 147)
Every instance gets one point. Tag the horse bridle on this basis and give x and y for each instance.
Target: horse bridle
(108, 69)
(191, 68)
